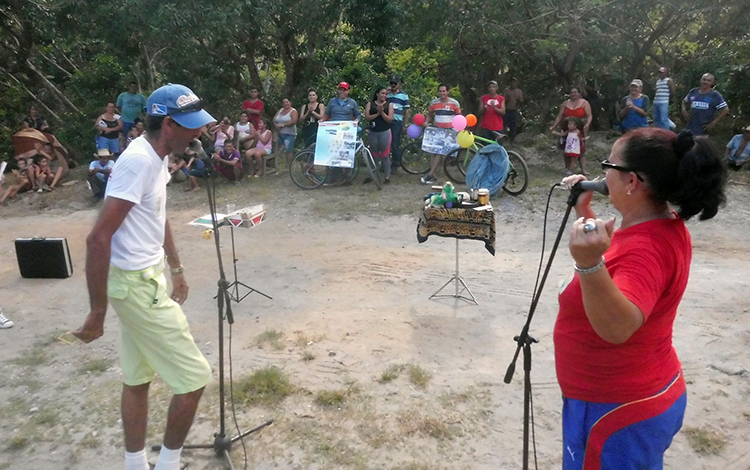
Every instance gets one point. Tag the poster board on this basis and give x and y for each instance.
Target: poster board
(337, 141)
(439, 141)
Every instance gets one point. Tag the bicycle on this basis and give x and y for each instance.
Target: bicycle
(457, 163)
(307, 175)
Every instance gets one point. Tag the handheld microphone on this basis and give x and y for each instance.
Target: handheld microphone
(197, 148)
(596, 186)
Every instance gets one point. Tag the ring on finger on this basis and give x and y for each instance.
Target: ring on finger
(589, 227)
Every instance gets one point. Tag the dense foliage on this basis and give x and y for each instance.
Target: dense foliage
(71, 56)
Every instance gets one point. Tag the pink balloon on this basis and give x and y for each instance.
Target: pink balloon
(459, 122)
(419, 119)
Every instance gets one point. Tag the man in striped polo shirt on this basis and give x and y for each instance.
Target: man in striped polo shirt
(442, 110)
(400, 101)
(664, 93)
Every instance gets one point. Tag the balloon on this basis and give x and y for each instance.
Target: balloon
(471, 120)
(419, 119)
(414, 131)
(459, 122)
(465, 139)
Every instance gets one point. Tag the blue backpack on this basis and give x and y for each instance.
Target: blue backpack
(488, 169)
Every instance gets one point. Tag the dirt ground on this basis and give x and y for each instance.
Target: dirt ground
(379, 377)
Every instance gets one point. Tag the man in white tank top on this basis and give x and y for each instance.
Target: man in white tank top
(664, 93)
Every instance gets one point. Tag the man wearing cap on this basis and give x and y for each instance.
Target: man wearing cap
(99, 171)
(124, 262)
(513, 100)
(703, 102)
(664, 93)
(400, 102)
(634, 108)
(492, 110)
(342, 108)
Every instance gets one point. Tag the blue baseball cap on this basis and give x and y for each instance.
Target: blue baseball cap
(181, 104)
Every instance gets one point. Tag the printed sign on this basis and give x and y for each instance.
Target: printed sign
(440, 141)
(337, 141)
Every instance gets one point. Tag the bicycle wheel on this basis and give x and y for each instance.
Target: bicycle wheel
(372, 167)
(518, 175)
(457, 162)
(414, 160)
(305, 173)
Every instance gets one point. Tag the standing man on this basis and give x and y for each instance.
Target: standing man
(513, 100)
(131, 104)
(492, 110)
(442, 110)
(700, 105)
(124, 261)
(400, 102)
(342, 108)
(254, 107)
(664, 93)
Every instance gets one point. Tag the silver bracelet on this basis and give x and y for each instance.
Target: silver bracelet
(590, 270)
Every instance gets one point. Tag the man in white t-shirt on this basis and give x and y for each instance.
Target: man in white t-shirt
(124, 264)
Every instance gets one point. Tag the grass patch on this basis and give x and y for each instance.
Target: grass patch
(90, 441)
(47, 417)
(96, 366)
(18, 442)
(267, 386)
(307, 356)
(391, 373)
(270, 338)
(330, 398)
(414, 423)
(704, 441)
(35, 356)
(419, 376)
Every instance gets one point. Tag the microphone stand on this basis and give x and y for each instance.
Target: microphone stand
(525, 340)
(222, 444)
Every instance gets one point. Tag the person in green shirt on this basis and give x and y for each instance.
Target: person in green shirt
(131, 104)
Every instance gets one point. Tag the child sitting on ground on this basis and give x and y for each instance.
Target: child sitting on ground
(20, 181)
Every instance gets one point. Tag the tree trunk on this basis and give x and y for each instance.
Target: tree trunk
(53, 88)
(33, 96)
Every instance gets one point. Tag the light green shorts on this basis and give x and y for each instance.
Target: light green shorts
(154, 333)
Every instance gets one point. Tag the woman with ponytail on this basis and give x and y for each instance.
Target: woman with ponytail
(623, 390)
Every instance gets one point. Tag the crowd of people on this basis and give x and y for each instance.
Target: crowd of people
(240, 149)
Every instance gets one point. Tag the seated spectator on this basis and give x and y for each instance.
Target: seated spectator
(135, 131)
(228, 162)
(35, 121)
(262, 148)
(108, 126)
(738, 150)
(20, 181)
(99, 171)
(41, 174)
(195, 169)
(221, 132)
(176, 164)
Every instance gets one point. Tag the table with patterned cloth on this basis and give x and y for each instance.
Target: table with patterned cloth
(466, 224)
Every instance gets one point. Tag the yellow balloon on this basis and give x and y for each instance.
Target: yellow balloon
(207, 233)
(465, 139)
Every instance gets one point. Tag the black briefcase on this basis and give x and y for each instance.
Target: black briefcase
(44, 258)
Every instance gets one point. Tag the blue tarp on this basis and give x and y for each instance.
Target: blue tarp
(488, 169)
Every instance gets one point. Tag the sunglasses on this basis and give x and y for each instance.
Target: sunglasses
(607, 165)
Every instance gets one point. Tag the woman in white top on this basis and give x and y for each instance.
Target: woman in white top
(286, 123)
(243, 133)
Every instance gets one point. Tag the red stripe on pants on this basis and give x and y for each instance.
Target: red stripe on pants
(626, 415)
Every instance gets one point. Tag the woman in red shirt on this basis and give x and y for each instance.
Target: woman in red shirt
(623, 391)
(577, 107)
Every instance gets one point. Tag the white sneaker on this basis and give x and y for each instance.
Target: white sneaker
(4, 322)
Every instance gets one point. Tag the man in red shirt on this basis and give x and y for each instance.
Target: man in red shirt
(492, 110)
(254, 107)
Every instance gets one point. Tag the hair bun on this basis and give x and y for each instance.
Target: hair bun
(683, 144)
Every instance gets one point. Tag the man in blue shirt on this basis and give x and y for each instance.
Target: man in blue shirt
(400, 101)
(131, 104)
(700, 105)
(342, 108)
